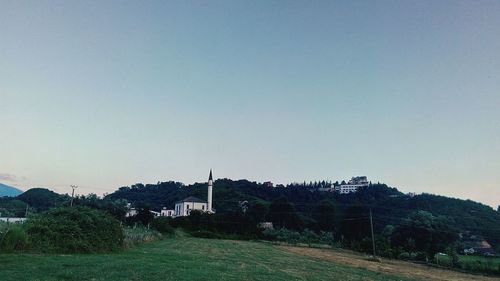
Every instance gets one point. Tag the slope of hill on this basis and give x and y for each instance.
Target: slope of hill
(184, 258)
(189, 259)
(10, 191)
(42, 199)
(388, 205)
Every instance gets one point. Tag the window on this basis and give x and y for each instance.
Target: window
(203, 207)
(187, 206)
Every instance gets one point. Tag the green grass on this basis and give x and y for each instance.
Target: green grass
(480, 264)
(182, 259)
(475, 264)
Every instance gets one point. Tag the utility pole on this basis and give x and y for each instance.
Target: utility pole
(373, 236)
(73, 193)
(26, 213)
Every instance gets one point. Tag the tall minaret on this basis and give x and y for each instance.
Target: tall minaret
(209, 197)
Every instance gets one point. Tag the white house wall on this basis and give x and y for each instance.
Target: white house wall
(183, 208)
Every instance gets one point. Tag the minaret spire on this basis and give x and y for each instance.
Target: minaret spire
(209, 196)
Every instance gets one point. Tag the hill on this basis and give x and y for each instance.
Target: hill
(389, 206)
(9, 191)
(42, 199)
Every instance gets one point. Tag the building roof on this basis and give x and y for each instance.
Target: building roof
(210, 176)
(191, 199)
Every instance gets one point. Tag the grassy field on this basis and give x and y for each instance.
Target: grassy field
(183, 259)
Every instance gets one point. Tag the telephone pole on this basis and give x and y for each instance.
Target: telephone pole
(373, 236)
(73, 193)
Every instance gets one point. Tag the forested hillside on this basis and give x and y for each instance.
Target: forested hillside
(388, 205)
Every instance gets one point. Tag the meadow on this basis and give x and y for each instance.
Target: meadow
(183, 258)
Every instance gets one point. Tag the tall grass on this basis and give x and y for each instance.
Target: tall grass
(477, 264)
(138, 235)
(12, 238)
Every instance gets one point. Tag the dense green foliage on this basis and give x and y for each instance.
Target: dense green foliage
(306, 237)
(162, 225)
(241, 205)
(347, 215)
(11, 207)
(425, 232)
(283, 215)
(74, 230)
(185, 259)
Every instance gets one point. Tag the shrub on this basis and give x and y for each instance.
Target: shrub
(309, 237)
(15, 238)
(162, 225)
(74, 230)
(205, 234)
(282, 234)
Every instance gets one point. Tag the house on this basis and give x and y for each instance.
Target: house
(166, 213)
(184, 207)
(353, 185)
(476, 245)
(155, 214)
(265, 225)
(131, 212)
(268, 184)
(12, 219)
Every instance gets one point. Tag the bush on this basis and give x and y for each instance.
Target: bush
(309, 237)
(14, 239)
(205, 234)
(282, 234)
(162, 224)
(74, 230)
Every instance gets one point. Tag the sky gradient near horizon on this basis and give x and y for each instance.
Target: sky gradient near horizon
(104, 94)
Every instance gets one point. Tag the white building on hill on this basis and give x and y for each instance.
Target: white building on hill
(12, 219)
(353, 185)
(166, 213)
(131, 211)
(184, 207)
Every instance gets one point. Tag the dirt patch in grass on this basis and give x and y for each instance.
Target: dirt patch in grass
(395, 267)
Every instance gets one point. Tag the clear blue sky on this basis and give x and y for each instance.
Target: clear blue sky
(104, 94)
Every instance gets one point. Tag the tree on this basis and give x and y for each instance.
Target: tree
(258, 211)
(10, 207)
(74, 230)
(421, 231)
(144, 216)
(42, 199)
(356, 223)
(282, 213)
(324, 214)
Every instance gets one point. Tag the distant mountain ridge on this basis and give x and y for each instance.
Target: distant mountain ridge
(10, 191)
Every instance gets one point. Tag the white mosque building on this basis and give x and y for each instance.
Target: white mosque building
(184, 207)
